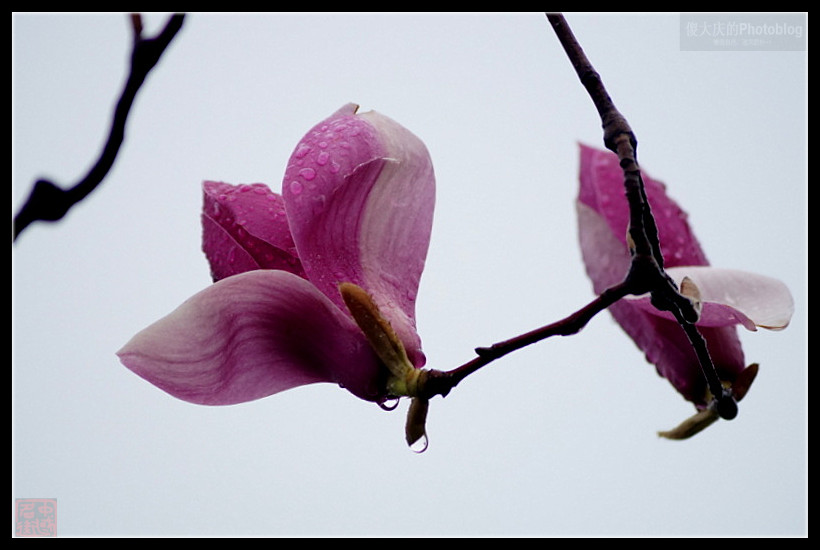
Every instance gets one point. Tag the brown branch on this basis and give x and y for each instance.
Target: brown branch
(49, 202)
(646, 273)
(440, 383)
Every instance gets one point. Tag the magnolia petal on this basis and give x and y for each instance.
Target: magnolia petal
(602, 189)
(252, 335)
(607, 260)
(731, 296)
(666, 346)
(765, 301)
(359, 192)
(244, 227)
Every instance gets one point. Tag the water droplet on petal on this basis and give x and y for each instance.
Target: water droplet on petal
(322, 158)
(302, 151)
(307, 173)
(295, 187)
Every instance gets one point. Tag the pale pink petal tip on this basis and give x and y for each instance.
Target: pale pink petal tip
(730, 296)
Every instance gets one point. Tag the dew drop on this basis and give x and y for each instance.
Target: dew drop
(295, 187)
(419, 445)
(389, 404)
(307, 173)
(322, 158)
(302, 151)
(334, 167)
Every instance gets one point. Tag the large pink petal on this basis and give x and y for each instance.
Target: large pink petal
(666, 346)
(244, 227)
(252, 335)
(602, 189)
(359, 192)
(663, 342)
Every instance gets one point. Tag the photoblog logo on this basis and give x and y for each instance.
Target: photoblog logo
(741, 31)
(35, 517)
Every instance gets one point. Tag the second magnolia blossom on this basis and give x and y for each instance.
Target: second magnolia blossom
(727, 297)
(351, 226)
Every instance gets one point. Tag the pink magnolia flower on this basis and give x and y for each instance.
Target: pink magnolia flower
(727, 297)
(317, 284)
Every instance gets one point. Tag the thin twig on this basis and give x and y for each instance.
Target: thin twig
(49, 202)
(440, 383)
(646, 273)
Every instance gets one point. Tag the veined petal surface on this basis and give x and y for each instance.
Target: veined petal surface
(244, 227)
(252, 335)
(359, 192)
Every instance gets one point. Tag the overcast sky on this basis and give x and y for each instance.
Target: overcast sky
(557, 439)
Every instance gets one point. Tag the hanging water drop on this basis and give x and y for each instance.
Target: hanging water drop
(419, 445)
(389, 404)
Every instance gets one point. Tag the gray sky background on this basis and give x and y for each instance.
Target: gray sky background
(557, 439)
